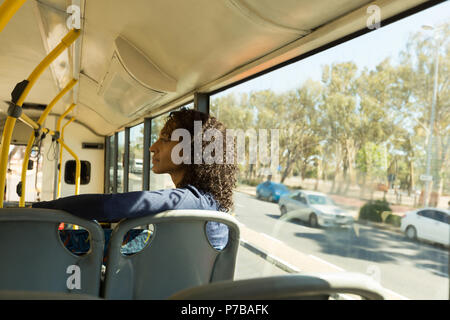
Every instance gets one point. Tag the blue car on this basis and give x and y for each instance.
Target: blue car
(271, 191)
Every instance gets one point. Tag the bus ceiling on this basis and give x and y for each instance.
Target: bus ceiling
(140, 59)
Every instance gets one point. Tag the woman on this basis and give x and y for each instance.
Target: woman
(198, 186)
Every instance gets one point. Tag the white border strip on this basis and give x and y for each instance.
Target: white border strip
(326, 262)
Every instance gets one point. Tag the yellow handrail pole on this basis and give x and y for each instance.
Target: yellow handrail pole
(11, 121)
(41, 120)
(63, 45)
(58, 194)
(77, 168)
(58, 124)
(6, 141)
(58, 128)
(77, 160)
(7, 10)
(50, 106)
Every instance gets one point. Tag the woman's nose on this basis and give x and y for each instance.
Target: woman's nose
(153, 147)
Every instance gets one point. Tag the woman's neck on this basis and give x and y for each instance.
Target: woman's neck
(177, 177)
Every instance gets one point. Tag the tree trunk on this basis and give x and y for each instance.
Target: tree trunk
(250, 171)
(411, 178)
(287, 169)
(350, 178)
(319, 173)
(337, 171)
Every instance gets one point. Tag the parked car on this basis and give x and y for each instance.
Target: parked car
(314, 207)
(429, 224)
(271, 191)
(137, 165)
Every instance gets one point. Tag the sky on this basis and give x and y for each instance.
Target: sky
(366, 51)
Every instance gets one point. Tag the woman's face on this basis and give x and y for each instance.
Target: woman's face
(162, 150)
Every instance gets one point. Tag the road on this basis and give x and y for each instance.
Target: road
(415, 270)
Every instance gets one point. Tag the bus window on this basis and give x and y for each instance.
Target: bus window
(339, 110)
(120, 161)
(69, 172)
(159, 181)
(34, 176)
(136, 162)
(112, 152)
(350, 119)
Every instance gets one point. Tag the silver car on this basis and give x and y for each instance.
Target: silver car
(314, 207)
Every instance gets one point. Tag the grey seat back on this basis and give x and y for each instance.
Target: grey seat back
(178, 256)
(310, 286)
(33, 257)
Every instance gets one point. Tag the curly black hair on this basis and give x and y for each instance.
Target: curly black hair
(217, 179)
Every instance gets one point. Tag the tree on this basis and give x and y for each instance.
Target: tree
(338, 111)
(417, 78)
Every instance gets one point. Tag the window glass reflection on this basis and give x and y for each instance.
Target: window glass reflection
(120, 160)
(136, 162)
(111, 163)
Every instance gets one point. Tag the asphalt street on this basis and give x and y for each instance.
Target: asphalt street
(414, 270)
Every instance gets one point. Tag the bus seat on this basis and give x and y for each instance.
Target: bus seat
(177, 256)
(287, 287)
(39, 295)
(33, 257)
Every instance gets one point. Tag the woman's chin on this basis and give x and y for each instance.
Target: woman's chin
(157, 170)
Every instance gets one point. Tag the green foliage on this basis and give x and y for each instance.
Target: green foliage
(250, 182)
(394, 220)
(358, 123)
(370, 159)
(372, 210)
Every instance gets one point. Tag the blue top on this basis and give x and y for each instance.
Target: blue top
(117, 206)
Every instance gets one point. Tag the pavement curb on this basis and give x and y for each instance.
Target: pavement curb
(283, 265)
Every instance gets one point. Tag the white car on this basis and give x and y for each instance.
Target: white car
(137, 165)
(314, 207)
(429, 224)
